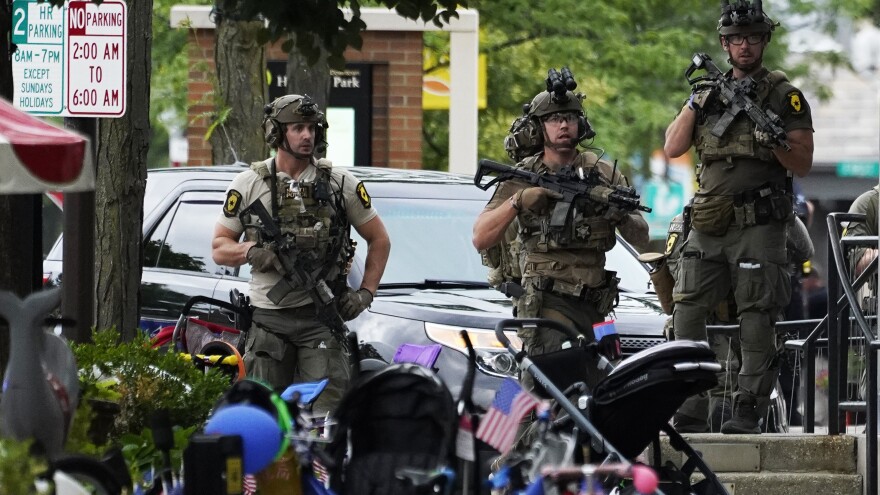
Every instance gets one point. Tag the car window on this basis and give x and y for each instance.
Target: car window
(430, 240)
(182, 240)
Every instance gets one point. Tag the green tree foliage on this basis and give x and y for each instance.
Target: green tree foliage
(318, 24)
(627, 56)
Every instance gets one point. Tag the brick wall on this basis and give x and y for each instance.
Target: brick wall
(397, 94)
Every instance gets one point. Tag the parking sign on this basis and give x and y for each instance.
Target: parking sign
(70, 60)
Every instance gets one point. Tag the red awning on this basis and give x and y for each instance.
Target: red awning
(36, 157)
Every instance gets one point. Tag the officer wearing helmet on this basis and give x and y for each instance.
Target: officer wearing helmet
(561, 278)
(315, 204)
(742, 211)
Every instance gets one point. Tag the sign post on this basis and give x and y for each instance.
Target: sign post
(70, 60)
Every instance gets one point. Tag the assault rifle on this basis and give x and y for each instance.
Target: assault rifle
(296, 272)
(571, 183)
(735, 97)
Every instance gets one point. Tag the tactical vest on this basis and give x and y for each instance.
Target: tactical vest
(313, 215)
(587, 229)
(738, 140)
(569, 267)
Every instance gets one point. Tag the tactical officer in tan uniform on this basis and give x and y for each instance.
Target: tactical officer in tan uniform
(315, 204)
(742, 208)
(562, 279)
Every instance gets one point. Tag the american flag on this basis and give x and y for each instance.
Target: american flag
(320, 471)
(249, 486)
(498, 428)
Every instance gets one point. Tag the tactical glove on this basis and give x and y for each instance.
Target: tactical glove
(765, 139)
(616, 215)
(262, 260)
(535, 199)
(354, 302)
(701, 97)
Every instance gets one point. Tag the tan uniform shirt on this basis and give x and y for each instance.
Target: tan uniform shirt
(251, 186)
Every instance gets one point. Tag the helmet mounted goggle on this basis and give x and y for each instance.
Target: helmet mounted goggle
(744, 17)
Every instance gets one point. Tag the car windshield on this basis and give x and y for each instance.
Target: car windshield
(431, 242)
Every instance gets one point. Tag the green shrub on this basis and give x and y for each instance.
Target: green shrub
(123, 383)
(18, 468)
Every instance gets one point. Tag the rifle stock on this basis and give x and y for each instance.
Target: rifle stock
(735, 96)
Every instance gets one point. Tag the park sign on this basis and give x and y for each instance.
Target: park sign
(70, 60)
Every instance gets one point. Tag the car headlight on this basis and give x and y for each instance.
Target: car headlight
(492, 357)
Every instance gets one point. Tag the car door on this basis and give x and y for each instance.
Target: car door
(177, 259)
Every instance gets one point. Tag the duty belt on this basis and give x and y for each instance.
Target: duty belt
(569, 290)
(761, 205)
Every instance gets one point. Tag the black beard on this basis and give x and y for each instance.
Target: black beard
(747, 68)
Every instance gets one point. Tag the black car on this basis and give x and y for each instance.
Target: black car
(433, 287)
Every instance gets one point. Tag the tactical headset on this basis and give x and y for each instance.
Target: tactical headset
(304, 110)
(526, 135)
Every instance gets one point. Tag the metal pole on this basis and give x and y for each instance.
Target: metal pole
(78, 268)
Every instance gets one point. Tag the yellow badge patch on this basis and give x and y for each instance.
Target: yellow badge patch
(363, 195)
(670, 243)
(794, 99)
(233, 202)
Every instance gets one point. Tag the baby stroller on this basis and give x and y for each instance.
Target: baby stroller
(625, 412)
(397, 427)
(210, 344)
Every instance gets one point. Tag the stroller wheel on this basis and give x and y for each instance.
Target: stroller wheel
(775, 418)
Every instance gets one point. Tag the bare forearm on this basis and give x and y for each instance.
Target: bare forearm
(374, 265)
(800, 159)
(226, 250)
(679, 134)
(491, 225)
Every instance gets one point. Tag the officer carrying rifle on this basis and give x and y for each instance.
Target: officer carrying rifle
(752, 130)
(553, 217)
(296, 214)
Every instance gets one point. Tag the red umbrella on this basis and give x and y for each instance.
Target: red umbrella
(36, 157)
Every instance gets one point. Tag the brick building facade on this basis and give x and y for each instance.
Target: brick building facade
(392, 46)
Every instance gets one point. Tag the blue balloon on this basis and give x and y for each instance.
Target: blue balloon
(259, 432)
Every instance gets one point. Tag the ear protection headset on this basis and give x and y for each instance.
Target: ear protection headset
(526, 135)
(306, 111)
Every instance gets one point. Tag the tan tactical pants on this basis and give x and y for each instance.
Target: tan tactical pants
(286, 346)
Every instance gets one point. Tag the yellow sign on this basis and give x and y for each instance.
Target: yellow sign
(435, 85)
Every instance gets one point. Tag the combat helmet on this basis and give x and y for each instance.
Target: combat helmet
(290, 109)
(744, 17)
(526, 135)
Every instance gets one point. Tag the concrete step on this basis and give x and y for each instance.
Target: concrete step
(770, 453)
(791, 483)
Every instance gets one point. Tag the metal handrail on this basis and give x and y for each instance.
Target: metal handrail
(838, 331)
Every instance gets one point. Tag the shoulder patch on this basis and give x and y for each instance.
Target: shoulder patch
(232, 204)
(676, 227)
(363, 195)
(671, 241)
(796, 100)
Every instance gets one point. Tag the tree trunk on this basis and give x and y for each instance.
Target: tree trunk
(303, 79)
(241, 85)
(119, 187)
